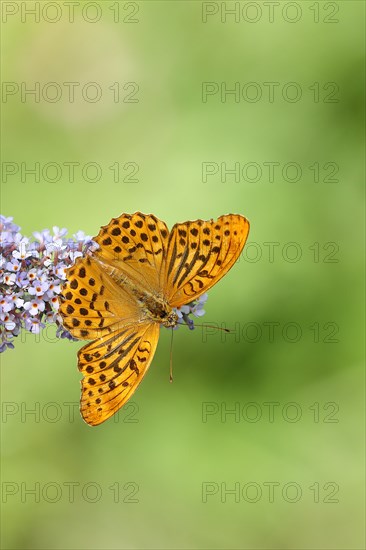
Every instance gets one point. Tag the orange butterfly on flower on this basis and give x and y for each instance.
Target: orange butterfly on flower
(119, 295)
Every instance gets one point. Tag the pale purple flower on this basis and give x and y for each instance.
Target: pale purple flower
(13, 265)
(34, 325)
(43, 236)
(80, 237)
(55, 303)
(38, 288)
(193, 308)
(22, 279)
(9, 322)
(58, 233)
(35, 306)
(9, 279)
(6, 304)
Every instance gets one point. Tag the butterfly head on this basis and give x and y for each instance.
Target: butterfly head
(171, 320)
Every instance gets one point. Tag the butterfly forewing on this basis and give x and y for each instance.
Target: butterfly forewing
(200, 253)
(135, 245)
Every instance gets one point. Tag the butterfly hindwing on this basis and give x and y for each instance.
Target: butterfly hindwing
(93, 303)
(113, 367)
(200, 253)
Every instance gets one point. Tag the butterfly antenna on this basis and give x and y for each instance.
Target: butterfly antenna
(211, 326)
(171, 358)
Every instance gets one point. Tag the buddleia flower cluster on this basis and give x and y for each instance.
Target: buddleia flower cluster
(195, 308)
(32, 272)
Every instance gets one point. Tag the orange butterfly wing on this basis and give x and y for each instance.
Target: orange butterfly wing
(200, 253)
(135, 245)
(93, 304)
(113, 367)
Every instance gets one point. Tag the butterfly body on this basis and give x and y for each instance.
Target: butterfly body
(154, 307)
(160, 312)
(119, 295)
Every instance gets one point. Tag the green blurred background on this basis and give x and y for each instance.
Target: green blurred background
(161, 475)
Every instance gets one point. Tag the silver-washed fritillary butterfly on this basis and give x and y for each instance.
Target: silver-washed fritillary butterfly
(119, 295)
